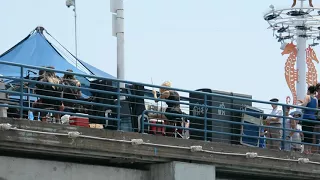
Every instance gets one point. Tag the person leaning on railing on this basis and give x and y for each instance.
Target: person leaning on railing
(316, 137)
(173, 107)
(296, 136)
(289, 124)
(293, 136)
(69, 92)
(37, 103)
(310, 101)
(274, 133)
(49, 90)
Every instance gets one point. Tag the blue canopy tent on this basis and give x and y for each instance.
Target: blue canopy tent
(96, 71)
(36, 50)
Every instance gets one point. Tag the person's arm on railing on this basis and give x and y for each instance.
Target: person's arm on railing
(293, 125)
(164, 95)
(305, 101)
(275, 119)
(78, 90)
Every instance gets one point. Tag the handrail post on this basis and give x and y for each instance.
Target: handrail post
(284, 127)
(21, 92)
(205, 118)
(142, 122)
(118, 108)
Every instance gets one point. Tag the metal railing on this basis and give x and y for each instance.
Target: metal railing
(205, 115)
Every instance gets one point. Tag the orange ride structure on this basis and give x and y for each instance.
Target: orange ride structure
(312, 76)
(298, 30)
(290, 73)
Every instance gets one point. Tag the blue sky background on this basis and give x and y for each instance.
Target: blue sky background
(223, 45)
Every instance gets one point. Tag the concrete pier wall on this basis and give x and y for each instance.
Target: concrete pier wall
(12, 168)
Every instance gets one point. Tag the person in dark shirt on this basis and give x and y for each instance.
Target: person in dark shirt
(68, 92)
(317, 125)
(318, 93)
(173, 119)
(173, 107)
(310, 101)
(48, 90)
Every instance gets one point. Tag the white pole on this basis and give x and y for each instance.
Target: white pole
(117, 10)
(75, 32)
(120, 44)
(301, 5)
(301, 65)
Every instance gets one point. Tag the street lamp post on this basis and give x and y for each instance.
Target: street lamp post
(116, 8)
(72, 3)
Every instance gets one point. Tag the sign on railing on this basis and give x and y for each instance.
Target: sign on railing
(199, 110)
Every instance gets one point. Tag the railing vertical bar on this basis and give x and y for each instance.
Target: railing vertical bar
(21, 92)
(205, 118)
(118, 108)
(284, 110)
(142, 123)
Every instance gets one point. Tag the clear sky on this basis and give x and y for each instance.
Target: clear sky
(223, 45)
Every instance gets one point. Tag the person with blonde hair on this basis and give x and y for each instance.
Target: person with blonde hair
(173, 107)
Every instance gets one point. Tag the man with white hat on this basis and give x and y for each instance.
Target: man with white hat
(274, 133)
(294, 136)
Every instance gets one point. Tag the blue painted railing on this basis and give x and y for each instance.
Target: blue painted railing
(117, 116)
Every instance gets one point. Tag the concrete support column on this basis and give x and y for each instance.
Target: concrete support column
(182, 171)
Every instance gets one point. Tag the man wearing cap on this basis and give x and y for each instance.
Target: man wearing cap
(275, 122)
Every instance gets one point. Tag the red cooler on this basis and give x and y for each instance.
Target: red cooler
(157, 129)
(79, 121)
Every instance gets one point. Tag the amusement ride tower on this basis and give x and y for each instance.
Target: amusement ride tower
(298, 30)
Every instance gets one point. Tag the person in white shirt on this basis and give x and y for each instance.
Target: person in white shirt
(275, 122)
(289, 124)
(294, 136)
(297, 138)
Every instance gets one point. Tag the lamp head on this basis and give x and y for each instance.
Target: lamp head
(271, 7)
(70, 3)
